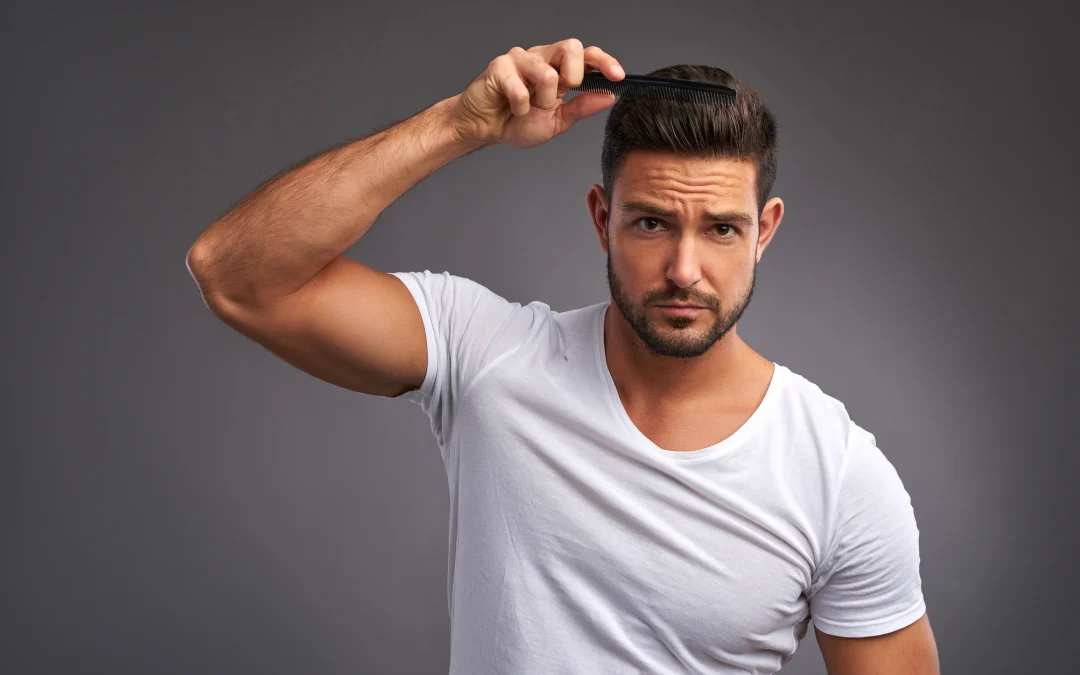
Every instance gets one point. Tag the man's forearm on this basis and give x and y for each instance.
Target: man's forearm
(277, 238)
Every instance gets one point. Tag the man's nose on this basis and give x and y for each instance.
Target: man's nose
(684, 269)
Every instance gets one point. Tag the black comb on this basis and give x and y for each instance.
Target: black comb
(662, 88)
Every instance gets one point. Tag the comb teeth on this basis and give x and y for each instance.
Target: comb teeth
(660, 88)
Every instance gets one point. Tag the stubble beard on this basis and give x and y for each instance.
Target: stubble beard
(683, 342)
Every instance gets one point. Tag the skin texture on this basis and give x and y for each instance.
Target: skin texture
(688, 382)
(908, 651)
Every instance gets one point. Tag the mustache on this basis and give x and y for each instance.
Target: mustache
(682, 298)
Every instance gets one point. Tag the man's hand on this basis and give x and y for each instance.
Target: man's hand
(908, 651)
(517, 100)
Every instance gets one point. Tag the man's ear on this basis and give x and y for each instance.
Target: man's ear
(596, 200)
(770, 219)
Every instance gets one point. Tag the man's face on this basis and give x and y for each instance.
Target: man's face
(682, 231)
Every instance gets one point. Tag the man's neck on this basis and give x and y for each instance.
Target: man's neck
(644, 377)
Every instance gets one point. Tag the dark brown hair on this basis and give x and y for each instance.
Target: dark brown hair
(745, 131)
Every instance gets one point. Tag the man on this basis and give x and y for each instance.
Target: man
(633, 488)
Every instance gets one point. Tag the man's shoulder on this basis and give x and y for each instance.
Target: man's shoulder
(812, 408)
(838, 438)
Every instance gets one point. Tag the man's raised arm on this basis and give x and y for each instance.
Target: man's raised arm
(273, 266)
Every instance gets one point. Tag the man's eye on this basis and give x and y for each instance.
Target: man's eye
(654, 225)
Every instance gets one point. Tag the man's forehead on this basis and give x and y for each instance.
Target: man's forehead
(667, 198)
(677, 178)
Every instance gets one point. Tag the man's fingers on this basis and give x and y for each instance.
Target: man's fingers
(538, 75)
(598, 59)
(569, 59)
(573, 60)
(511, 84)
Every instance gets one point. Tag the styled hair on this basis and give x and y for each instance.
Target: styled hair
(745, 131)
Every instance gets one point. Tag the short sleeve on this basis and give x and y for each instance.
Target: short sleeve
(468, 329)
(869, 583)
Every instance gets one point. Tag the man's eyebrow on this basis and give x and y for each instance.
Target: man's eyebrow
(732, 216)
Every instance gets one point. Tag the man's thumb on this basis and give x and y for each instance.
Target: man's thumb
(583, 105)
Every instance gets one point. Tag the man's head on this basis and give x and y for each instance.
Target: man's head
(684, 213)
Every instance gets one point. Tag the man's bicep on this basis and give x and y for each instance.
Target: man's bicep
(911, 650)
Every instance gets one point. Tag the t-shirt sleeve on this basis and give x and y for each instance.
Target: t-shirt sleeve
(468, 329)
(869, 583)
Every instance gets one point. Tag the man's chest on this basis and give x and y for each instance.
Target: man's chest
(708, 554)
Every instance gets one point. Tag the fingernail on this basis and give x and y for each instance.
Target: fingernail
(617, 70)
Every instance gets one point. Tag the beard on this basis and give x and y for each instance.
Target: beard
(684, 342)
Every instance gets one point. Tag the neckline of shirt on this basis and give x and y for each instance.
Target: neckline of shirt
(740, 436)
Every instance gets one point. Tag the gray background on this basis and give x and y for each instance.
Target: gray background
(177, 500)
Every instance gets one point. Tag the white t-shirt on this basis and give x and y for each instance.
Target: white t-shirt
(577, 545)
